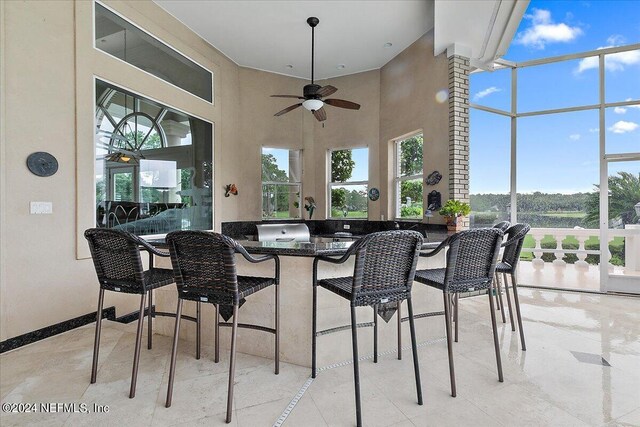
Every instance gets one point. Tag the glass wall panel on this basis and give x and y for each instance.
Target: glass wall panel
(622, 129)
(153, 165)
(125, 41)
(558, 166)
(491, 89)
(622, 76)
(557, 85)
(489, 166)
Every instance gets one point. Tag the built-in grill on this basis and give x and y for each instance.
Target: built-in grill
(283, 232)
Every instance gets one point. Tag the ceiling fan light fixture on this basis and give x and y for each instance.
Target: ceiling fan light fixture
(312, 104)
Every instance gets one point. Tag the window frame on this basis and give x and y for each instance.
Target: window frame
(398, 179)
(331, 184)
(285, 183)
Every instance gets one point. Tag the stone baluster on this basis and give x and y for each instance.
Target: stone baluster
(537, 260)
(582, 255)
(559, 253)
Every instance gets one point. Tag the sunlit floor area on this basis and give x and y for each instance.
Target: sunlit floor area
(581, 367)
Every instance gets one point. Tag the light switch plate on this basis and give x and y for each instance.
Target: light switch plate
(41, 208)
(346, 226)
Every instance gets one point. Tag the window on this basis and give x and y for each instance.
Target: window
(129, 43)
(281, 183)
(153, 169)
(408, 177)
(349, 183)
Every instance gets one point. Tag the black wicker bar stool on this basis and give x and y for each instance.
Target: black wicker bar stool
(471, 263)
(205, 270)
(508, 266)
(502, 225)
(116, 257)
(384, 269)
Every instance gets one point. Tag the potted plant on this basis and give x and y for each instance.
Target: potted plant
(452, 211)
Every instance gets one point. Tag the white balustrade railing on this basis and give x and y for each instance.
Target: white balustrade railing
(631, 234)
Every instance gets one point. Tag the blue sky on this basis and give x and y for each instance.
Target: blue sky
(559, 152)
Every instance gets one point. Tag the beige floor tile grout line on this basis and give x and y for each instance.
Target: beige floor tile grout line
(309, 381)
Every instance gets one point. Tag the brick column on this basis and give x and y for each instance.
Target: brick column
(459, 129)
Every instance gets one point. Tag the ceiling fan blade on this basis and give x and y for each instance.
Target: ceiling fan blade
(342, 104)
(286, 110)
(326, 91)
(320, 114)
(287, 96)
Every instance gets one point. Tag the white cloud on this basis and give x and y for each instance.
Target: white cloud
(612, 62)
(487, 91)
(543, 30)
(619, 110)
(632, 106)
(594, 130)
(623, 127)
(616, 40)
(574, 136)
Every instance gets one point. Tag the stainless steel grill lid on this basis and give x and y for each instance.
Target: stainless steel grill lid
(283, 232)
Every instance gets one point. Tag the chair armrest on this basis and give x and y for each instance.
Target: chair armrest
(515, 238)
(446, 242)
(241, 250)
(149, 248)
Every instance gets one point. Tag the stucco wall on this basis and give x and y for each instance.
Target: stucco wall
(48, 65)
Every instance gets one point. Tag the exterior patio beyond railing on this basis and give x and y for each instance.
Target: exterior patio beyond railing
(570, 258)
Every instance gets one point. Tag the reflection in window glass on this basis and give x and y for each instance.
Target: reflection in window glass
(622, 126)
(125, 41)
(558, 166)
(489, 166)
(153, 170)
(491, 89)
(557, 85)
(408, 177)
(349, 183)
(281, 183)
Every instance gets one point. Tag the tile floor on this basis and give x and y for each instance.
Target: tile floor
(546, 385)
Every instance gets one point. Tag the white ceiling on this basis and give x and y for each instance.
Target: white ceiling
(269, 35)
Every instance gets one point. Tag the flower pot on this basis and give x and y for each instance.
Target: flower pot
(454, 223)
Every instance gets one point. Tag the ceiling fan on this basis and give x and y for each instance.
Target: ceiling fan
(313, 93)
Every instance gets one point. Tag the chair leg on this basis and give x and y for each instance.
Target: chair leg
(495, 334)
(455, 314)
(506, 291)
(516, 301)
(499, 302)
(314, 322)
(198, 332)
(216, 357)
(136, 354)
(96, 341)
(447, 322)
(356, 367)
(232, 363)
(414, 349)
(399, 330)
(150, 320)
(174, 353)
(277, 344)
(375, 335)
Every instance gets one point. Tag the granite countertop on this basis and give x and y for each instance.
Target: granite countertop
(306, 249)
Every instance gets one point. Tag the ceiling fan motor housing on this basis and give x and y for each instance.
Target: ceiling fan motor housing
(309, 91)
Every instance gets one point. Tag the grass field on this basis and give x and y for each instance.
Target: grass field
(564, 214)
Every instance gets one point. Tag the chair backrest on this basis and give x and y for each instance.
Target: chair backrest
(502, 225)
(116, 257)
(471, 259)
(204, 266)
(385, 266)
(516, 234)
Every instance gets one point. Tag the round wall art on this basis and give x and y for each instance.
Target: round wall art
(374, 194)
